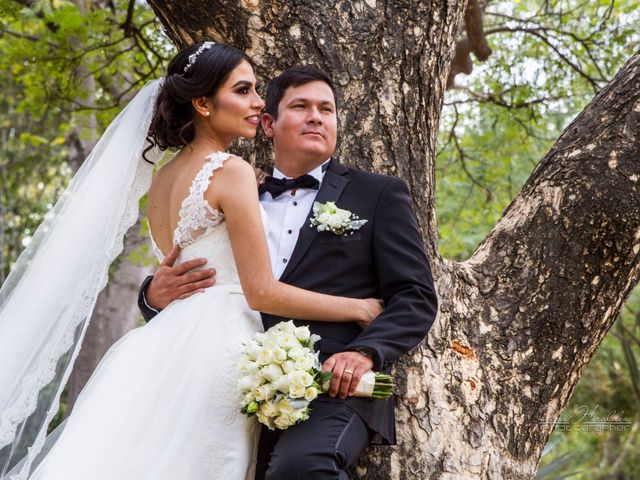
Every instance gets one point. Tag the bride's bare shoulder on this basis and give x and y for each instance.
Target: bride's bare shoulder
(236, 166)
(235, 176)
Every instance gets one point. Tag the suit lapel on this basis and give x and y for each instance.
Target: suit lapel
(333, 183)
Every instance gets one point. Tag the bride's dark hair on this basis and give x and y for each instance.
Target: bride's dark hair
(172, 123)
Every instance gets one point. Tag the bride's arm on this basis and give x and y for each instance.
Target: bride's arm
(234, 189)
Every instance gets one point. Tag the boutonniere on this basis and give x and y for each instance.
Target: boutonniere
(329, 218)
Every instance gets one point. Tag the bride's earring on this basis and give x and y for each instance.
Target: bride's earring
(206, 114)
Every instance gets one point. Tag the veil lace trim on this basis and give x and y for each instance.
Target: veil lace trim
(69, 329)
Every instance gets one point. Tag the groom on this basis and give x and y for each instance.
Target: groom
(383, 259)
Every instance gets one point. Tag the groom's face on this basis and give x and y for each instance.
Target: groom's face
(306, 123)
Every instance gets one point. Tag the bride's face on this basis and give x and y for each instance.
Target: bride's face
(235, 107)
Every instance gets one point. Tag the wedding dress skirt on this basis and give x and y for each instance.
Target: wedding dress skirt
(163, 403)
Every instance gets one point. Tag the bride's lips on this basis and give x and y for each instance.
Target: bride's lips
(253, 119)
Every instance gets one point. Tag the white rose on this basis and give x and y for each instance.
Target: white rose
(296, 352)
(288, 366)
(305, 362)
(307, 379)
(246, 383)
(259, 338)
(282, 384)
(310, 393)
(301, 378)
(248, 398)
(279, 355)
(247, 366)
(334, 221)
(269, 391)
(294, 376)
(270, 343)
(271, 372)
(282, 422)
(265, 356)
(296, 391)
(268, 409)
(324, 218)
(302, 333)
(288, 327)
(252, 350)
(258, 393)
(285, 408)
(287, 340)
(268, 421)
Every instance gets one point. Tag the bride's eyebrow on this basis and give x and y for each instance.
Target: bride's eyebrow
(244, 83)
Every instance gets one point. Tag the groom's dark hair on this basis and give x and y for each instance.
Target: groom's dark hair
(294, 77)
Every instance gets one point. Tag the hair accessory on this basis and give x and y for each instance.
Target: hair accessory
(192, 58)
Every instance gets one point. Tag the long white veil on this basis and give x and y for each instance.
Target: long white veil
(47, 300)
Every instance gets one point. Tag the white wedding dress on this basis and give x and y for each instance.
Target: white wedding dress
(163, 402)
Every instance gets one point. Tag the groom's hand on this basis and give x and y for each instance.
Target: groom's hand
(347, 369)
(172, 282)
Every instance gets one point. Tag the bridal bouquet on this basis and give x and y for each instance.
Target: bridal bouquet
(281, 376)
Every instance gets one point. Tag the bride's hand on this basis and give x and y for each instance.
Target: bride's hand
(373, 308)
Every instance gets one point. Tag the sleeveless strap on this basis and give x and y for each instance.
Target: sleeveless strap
(196, 215)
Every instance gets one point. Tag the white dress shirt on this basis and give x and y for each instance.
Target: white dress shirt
(287, 214)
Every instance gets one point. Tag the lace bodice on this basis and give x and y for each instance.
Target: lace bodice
(196, 215)
(201, 231)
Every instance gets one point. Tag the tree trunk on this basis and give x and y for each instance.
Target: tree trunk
(520, 319)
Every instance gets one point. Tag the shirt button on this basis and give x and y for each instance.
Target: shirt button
(295, 204)
(284, 260)
(289, 232)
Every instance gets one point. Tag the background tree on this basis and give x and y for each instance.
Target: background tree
(548, 60)
(522, 316)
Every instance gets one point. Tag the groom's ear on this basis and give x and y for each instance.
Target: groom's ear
(267, 124)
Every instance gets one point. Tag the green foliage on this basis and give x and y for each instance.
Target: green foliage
(66, 71)
(33, 171)
(548, 61)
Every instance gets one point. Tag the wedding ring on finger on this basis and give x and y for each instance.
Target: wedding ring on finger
(350, 372)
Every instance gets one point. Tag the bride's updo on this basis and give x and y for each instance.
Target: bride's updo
(172, 124)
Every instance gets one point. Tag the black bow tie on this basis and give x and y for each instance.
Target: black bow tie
(277, 186)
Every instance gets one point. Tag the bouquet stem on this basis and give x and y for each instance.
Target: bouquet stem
(372, 385)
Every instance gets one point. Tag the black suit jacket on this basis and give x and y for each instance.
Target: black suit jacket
(383, 259)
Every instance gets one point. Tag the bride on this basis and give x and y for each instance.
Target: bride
(162, 404)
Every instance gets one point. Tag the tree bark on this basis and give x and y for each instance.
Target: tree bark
(521, 318)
